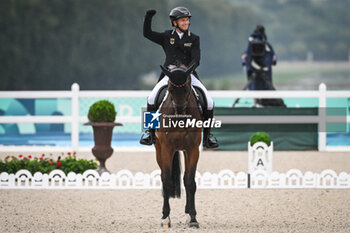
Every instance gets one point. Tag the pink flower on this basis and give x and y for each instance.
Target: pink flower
(58, 163)
(69, 153)
(29, 156)
(50, 162)
(7, 157)
(20, 156)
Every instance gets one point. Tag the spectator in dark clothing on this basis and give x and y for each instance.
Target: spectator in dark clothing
(259, 57)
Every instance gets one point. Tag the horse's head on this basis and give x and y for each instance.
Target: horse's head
(179, 85)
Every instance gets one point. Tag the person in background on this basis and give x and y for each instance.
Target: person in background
(258, 59)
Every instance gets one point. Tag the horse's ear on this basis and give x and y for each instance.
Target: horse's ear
(190, 69)
(165, 71)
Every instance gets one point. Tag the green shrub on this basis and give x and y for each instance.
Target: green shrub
(12, 164)
(102, 111)
(260, 137)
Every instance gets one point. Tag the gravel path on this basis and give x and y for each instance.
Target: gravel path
(247, 210)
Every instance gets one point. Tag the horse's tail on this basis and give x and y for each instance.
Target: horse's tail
(176, 176)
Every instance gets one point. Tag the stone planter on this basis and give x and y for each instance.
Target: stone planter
(102, 150)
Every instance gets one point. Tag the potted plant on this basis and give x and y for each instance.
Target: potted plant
(260, 137)
(101, 117)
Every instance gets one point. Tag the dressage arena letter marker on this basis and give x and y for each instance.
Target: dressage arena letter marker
(260, 162)
(260, 157)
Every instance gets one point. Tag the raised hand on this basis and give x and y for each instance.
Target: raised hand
(151, 12)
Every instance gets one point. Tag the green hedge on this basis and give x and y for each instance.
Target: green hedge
(12, 164)
(260, 137)
(102, 111)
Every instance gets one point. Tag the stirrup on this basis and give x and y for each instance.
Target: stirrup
(147, 138)
(210, 142)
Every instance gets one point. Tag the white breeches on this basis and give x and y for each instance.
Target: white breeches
(195, 82)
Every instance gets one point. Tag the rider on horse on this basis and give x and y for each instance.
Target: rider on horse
(181, 47)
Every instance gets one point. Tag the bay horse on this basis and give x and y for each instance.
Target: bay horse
(179, 101)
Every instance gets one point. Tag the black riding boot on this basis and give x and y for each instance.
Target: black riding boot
(209, 141)
(149, 137)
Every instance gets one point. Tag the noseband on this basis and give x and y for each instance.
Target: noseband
(184, 105)
(175, 85)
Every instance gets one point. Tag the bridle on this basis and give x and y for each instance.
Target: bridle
(184, 105)
(175, 85)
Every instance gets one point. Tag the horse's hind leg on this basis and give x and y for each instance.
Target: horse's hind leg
(191, 159)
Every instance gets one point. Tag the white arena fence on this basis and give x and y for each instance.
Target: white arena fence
(75, 119)
(225, 179)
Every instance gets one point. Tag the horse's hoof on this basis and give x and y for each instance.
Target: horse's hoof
(193, 224)
(165, 223)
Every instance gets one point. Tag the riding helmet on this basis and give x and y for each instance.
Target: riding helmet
(179, 12)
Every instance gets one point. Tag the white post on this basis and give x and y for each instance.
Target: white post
(75, 116)
(322, 117)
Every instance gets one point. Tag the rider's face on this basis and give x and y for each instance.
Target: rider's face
(183, 23)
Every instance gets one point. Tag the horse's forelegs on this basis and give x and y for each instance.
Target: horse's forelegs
(191, 187)
(165, 221)
(165, 162)
(166, 195)
(165, 166)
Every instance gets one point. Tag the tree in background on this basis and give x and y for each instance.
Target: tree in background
(51, 44)
(99, 44)
(297, 27)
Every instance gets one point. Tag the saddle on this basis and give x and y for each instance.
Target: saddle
(199, 94)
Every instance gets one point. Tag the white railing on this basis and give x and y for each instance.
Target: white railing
(322, 94)
(225, 179)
